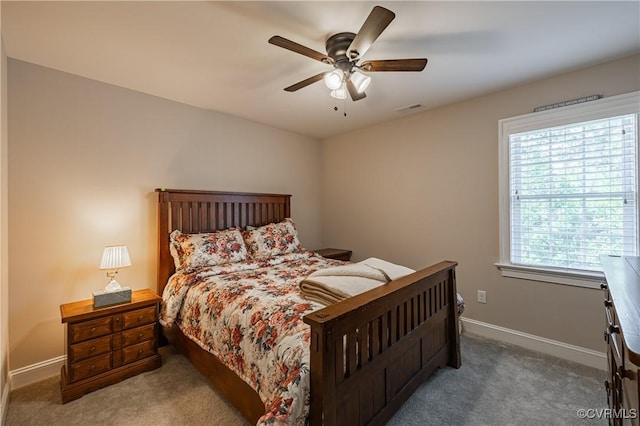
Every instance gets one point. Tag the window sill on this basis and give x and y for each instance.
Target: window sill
(573, 278)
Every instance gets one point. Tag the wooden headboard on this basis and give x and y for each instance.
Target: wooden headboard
(205, 211)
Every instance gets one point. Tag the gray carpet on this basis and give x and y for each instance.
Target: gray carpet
(497, 385)
(502, 384)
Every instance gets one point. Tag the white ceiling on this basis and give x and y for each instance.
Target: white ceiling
(215, 55)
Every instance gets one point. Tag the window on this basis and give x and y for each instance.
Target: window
(568, 190)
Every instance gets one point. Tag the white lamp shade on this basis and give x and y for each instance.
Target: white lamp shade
(333, 79)
(339, 93)
(115, 257)
(360, 81)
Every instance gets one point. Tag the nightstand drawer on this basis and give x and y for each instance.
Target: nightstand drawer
(139, 317)
(138, 335)
(139, 351)
(90, 367)
(90, 348)
(90, 329)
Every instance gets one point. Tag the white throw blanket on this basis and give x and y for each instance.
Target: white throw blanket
(331, 285)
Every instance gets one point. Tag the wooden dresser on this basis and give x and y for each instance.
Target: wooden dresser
(622, 334)
(107, 345)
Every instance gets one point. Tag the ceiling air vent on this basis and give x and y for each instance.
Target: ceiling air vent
(409, 108)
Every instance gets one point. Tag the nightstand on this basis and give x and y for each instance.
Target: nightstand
(107, 345)
(337, 254)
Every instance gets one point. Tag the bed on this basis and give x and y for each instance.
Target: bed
(367, 354)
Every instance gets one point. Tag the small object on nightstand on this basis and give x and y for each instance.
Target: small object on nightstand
(337, 254)
(107, 345)
(102, 299)
(113, 258)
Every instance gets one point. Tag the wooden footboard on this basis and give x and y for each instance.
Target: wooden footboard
(370, 352)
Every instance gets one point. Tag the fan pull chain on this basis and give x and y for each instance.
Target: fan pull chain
(344, 108)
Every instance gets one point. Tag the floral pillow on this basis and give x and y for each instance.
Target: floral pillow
(272, 240)
(191, 251)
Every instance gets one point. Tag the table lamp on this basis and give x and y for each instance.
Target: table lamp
(113, 258)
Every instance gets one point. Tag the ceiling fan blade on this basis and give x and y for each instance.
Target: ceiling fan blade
(298, 48)
(353, 92)
(376, 22)
(394, 65)
(305, 83)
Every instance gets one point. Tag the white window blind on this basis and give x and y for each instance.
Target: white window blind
(573, 193)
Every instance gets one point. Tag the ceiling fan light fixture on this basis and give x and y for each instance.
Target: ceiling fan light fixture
(340, 92)
(360, 81)
(333, 79)
(344, 51)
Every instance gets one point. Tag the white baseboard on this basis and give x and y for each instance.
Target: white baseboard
(555, 348)
(36, 372)
(43, 370)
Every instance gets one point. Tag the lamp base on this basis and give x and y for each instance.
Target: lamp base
(108, 298)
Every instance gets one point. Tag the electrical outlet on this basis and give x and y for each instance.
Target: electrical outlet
(482, 296)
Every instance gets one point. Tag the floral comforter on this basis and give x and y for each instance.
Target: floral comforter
(249, 315)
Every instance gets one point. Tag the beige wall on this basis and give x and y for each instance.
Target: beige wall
(85, 158)
(4, 240)
(425, 188)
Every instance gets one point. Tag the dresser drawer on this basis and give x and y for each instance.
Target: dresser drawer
(139, 335)
(631, 386)
(90, 367)
(90, 348)
(90, 329)
(139, 351)
(139, 317)
(613, 331)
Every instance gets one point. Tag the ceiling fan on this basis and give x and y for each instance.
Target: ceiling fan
(344, 50)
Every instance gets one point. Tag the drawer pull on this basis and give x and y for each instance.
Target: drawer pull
(624, 374)
(608, 303)
(92, 349)
(140, 335)
(607, 311)
(140, 318)
(603, 286)
(140, 351)
(611, 339)
(93, 367)
(92, 330)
